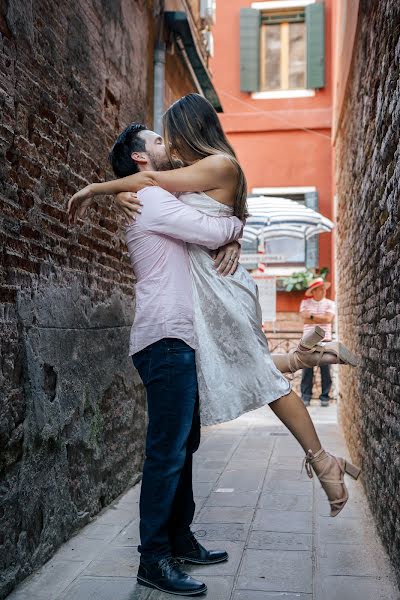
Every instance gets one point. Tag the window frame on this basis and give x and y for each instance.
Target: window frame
(250, 55)
(284, 62)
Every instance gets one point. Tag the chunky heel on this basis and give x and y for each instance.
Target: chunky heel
(352, 470)
(311, 338)
(331, 474)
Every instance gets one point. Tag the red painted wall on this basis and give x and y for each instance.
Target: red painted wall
(279, 142)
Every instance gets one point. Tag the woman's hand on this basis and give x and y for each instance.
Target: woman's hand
(79, 203)
(129, 204)
(226, 258)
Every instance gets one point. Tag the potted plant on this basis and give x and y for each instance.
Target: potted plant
(301, 280)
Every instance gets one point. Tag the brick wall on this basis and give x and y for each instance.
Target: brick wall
(368, 249)
(72, 75)
(177, 79)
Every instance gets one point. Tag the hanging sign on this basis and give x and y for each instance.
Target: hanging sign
(246, 259)
(266, 296)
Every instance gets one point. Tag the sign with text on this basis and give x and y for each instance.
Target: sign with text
(266, 296)
(246, 259)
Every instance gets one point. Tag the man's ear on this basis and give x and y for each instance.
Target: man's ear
(139, 157)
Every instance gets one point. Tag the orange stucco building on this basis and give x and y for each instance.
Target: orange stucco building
(277, 110)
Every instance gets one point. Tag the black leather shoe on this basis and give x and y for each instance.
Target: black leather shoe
(190, 551)
(166, 576)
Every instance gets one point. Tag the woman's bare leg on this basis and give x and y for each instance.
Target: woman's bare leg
(290, 409)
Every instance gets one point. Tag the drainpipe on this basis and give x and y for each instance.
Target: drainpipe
(159, 84)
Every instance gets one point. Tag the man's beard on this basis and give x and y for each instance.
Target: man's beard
(160, 164)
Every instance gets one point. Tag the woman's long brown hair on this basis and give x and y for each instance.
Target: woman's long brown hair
(193, 131)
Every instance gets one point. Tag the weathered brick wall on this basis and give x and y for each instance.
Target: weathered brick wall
(368, 248)
(72, 411)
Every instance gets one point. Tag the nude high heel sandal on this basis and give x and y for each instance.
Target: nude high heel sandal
(327, 474)
(311, 352)
(313, 357)
(312, 342)
(321, 354)
(311, 338)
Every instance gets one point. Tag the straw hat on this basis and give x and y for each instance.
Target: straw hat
(317, 283)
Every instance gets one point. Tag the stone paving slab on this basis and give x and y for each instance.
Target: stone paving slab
(242, 480)
(286, 486)
(350, 560)
(272, 540)
(50, 581)
(282, 520)
(286, 502)
(128, 536)
(115, 561)
(229, 497)
(253, 500)
(104, 588)
(230, 532)
(359, 588)
(252, 595)
(276, 570)
(226, 514)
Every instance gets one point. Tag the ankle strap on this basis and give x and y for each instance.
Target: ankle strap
(309, 458)
(314, 457)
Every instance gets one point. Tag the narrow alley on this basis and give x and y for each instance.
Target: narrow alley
(253, 500)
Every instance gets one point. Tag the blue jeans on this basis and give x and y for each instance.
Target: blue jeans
(307, 378)
(168, 371)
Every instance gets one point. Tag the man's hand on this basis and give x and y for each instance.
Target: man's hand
(226, 258)
(129, 204)
(79, 203)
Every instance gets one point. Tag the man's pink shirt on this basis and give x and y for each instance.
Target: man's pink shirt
(157, 249)
(318, 307)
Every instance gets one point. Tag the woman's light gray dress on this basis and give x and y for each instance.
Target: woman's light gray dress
(234, 368)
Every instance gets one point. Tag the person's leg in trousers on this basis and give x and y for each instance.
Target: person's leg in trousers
(326, 382)
(184, 506)
(168, 370)
(307, 378)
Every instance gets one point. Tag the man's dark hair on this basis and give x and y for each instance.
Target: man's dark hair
(127, 142)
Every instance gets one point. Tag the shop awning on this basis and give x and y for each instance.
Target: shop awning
(280, 217)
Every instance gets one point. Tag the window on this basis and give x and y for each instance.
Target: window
(282, 251)
(282, 49)
(294, 252)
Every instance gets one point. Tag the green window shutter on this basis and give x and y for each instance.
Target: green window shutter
(312, 248)
(250, 20)
(315, 21)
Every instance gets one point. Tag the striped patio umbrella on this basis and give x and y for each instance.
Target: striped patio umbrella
(272, 218)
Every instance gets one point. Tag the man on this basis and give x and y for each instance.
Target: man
(316, 309)
(163, 346)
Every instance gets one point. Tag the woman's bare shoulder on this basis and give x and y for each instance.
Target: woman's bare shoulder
(220, 162)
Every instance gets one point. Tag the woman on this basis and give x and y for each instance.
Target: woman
(234, 366)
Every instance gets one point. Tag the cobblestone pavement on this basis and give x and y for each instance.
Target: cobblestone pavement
(253, 500)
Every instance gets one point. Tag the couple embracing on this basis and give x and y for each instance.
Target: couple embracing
(196, 339)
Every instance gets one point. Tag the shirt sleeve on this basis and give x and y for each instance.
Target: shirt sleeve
(302, 306)
(163, 213)
(331, 307)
